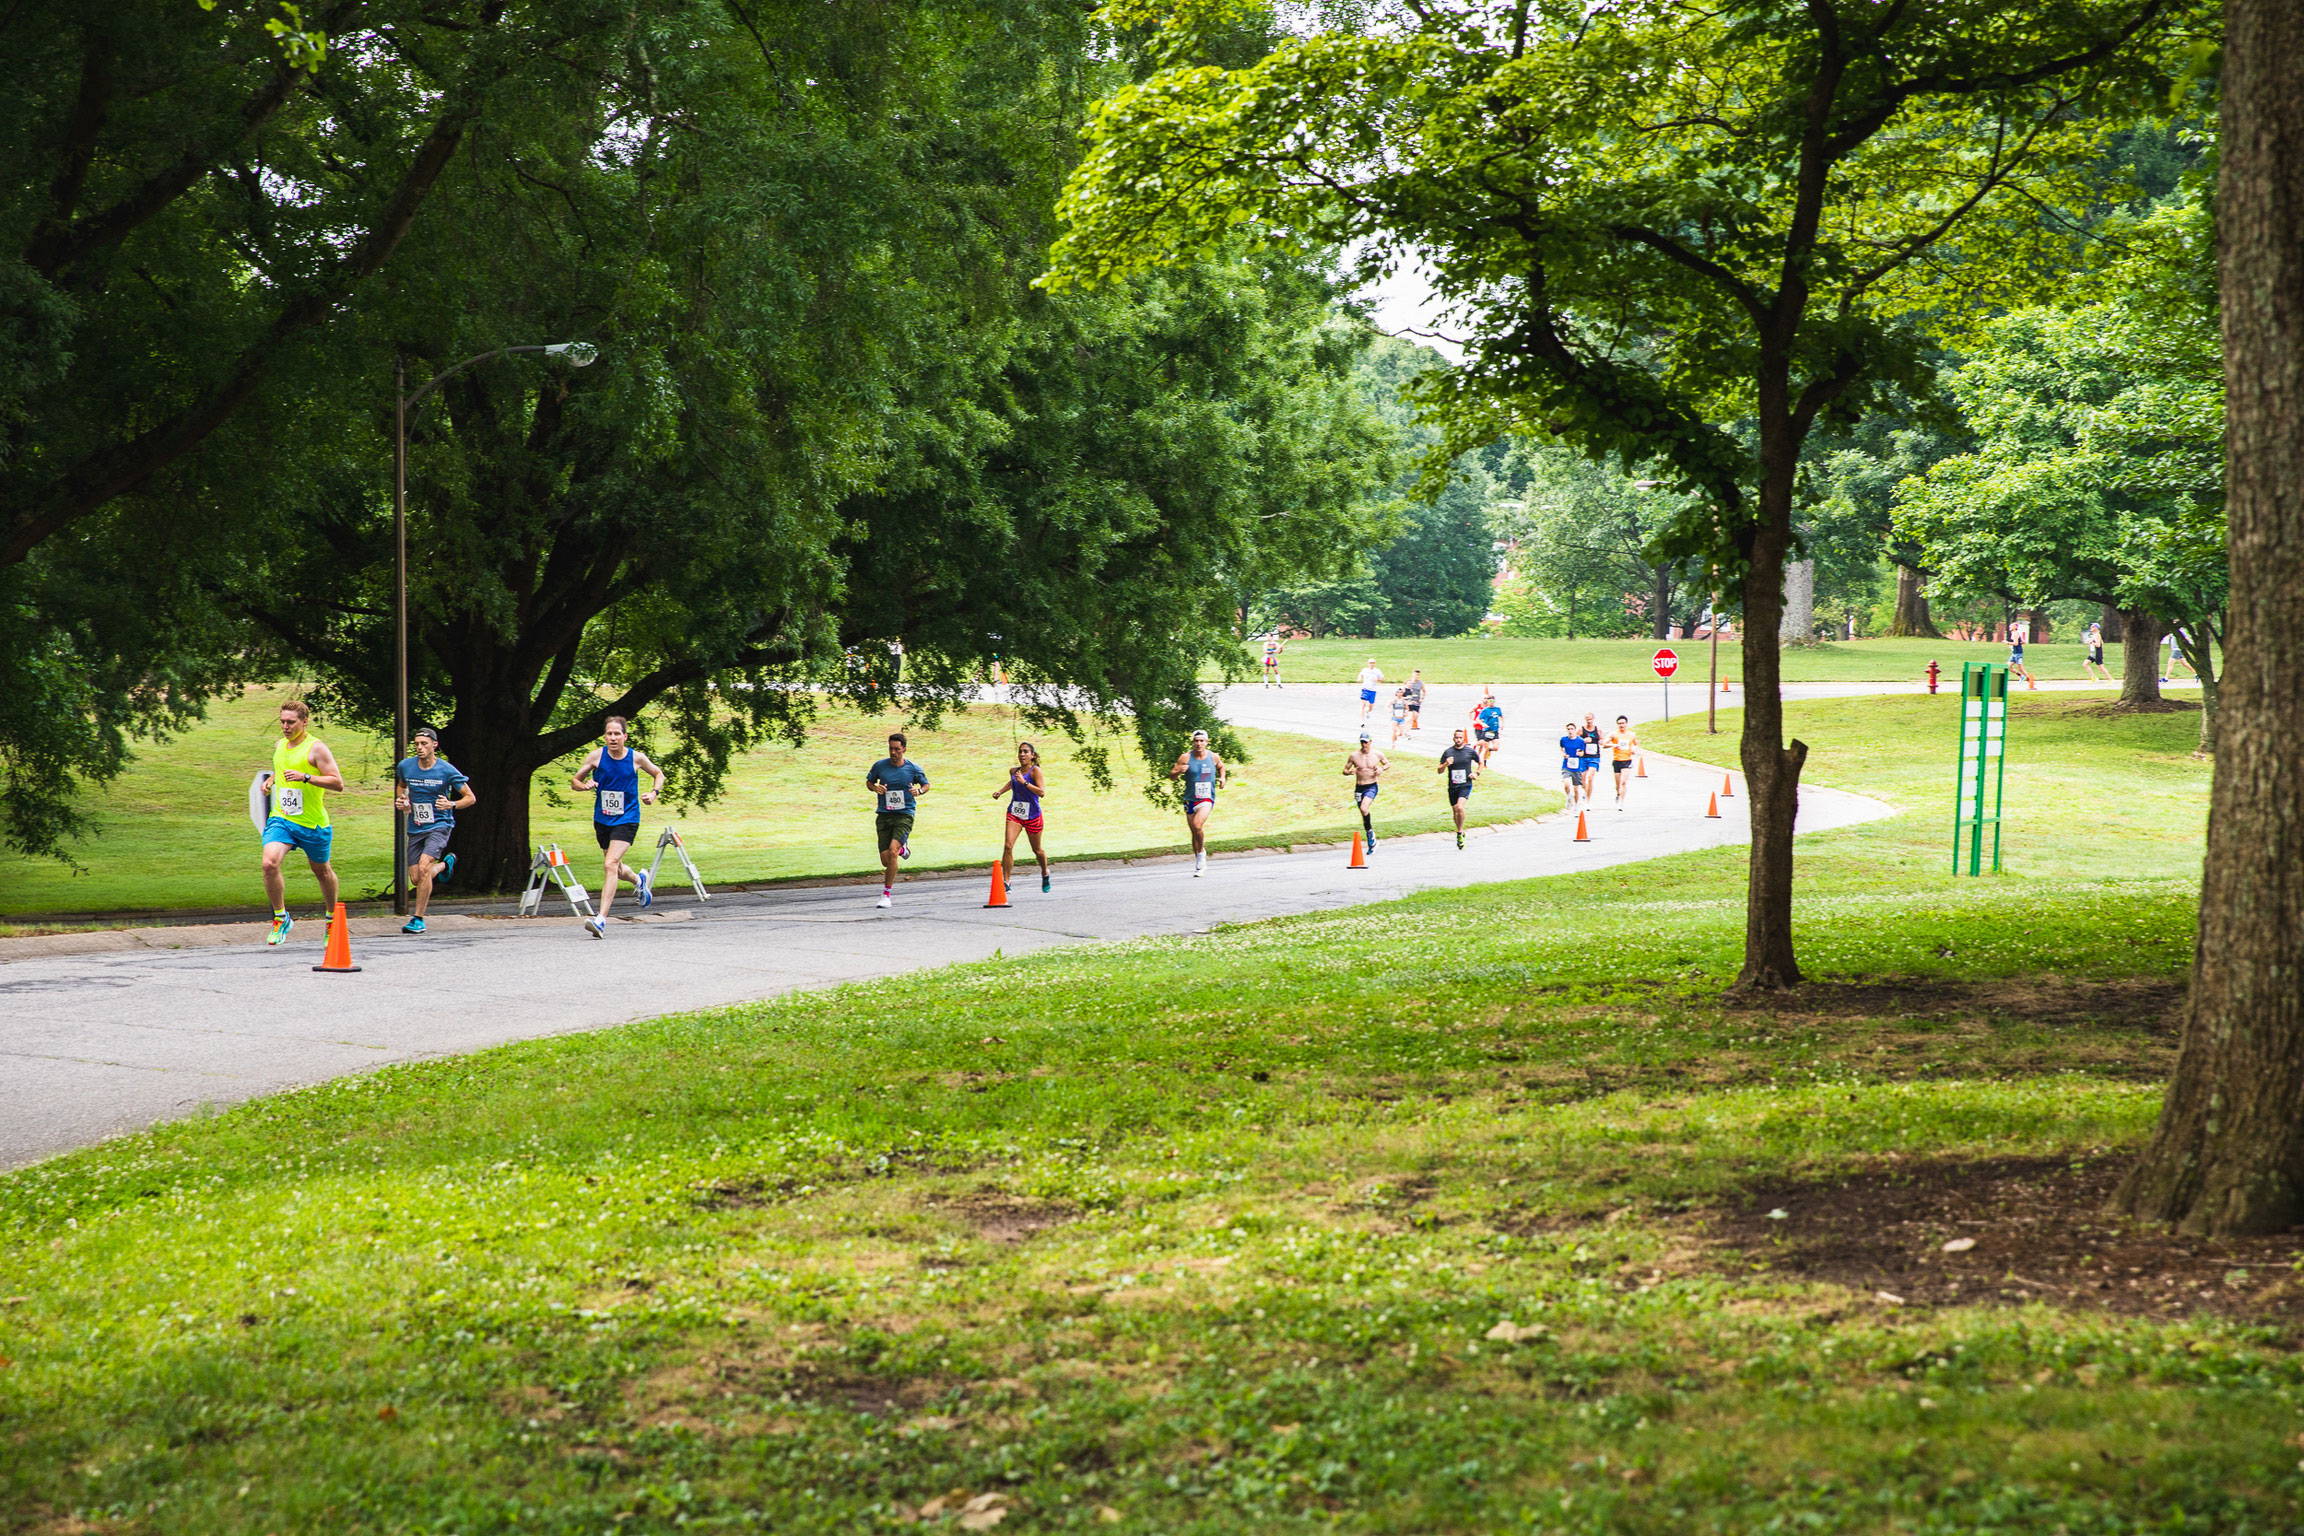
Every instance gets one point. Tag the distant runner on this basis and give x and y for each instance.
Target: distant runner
(1366, 765)
(896, 786)
(1203, 773)
(2016, 667)
(1026, 784)
(1591, 734)
(1461, 765)
(1571, 764)
(1415, 701)
(1371, 678)
(1487, 724)
(1622, 743)
(2094, 665)
(1273, 646)
(431, 793)
(303, 771)
(1399, 714)
(2174, 657)
(610, 774)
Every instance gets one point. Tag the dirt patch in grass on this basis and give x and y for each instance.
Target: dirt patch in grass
(2147, 1004)
(998, 1217)
(2018, 1229)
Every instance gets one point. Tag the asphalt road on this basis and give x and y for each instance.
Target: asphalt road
(105, 1034)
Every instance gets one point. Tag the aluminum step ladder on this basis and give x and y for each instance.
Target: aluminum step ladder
(670, 838)
(550, 867)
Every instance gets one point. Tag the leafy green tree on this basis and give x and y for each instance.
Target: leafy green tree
(1436, 578)
(193, 193)
(1581, 535)
(1651, 218)
(2098, 471)
(829, 412)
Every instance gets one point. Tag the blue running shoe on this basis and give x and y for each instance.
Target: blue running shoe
(647, 883)
(413, 925)
(281, 923)
(445, 873)
(1043, 885)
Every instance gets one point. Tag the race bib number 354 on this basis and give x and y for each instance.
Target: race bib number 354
(288, 800)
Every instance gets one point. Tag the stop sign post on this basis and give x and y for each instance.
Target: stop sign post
(1666, 663)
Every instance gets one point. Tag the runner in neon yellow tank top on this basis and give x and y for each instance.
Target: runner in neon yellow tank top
(303, 771)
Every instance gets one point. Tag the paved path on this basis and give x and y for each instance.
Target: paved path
(94, 1044)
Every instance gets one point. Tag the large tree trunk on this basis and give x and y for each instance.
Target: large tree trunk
(1660, 606)
(2139, 658)
(1798, 624)
(2036, 625)
(2109, 624)
(491, 841)
(1771, 769)
(2228, 1155)
(1912, 621)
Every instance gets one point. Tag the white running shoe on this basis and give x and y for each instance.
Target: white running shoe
(647, 884)
(597, 927)
(885, 900)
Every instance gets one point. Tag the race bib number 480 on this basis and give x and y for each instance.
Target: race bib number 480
(288, 800)
(611, 803)
(892, 800)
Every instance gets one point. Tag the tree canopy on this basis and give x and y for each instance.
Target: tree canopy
(1654, 221)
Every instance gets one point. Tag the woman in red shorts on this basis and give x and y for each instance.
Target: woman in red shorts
(1026, 784)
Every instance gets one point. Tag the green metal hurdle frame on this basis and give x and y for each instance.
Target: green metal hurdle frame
(1983, 765)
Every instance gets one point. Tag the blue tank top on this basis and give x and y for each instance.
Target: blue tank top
(616, 789)
(1020, 791)
(1200, 778)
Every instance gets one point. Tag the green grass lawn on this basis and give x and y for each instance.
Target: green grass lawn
(176, 833)
(1500, 660)
(1478, 1211)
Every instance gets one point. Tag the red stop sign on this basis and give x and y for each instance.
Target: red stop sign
(1665, 663)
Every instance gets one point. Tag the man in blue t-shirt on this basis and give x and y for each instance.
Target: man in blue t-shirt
(897, 783)
(1487, 725)
(1571, 764)
(431, 792)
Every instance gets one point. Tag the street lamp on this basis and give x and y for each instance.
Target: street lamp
(577, 354)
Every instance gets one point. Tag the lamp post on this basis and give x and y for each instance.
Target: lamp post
(579, 354)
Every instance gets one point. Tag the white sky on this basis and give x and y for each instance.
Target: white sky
(1404, 306)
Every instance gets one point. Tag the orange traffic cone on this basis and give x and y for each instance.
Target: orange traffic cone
(339, 955)
(1727, 786)
(1712, 809)
(1582, 836)
(999, 896)
(1724, 688)
(1640, 767)
(1359, 854)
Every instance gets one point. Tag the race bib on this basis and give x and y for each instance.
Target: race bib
(1020, 809)
(420, 813)
(892, 800)
(1459, 775)
(611, 804)
(288, 800)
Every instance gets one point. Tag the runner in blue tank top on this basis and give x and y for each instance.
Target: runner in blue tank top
(1203, 773)
(1026, 784)
(610, 774)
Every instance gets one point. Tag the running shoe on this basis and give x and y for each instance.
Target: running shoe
(647, 883)
(1043, 885)
(903, 850)
(413, 925)
(597, 927)
(885, 900)
(281, 923)
(1459, 839)
(445, 873)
